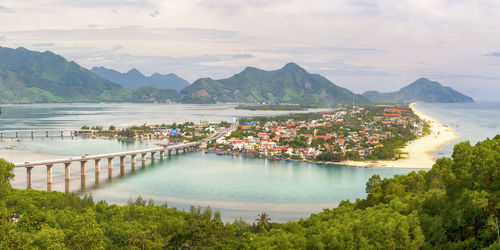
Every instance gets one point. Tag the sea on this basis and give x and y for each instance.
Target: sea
(237, 186)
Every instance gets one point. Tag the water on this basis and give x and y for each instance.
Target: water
(71, 116)
(235, 185)
(473, 121)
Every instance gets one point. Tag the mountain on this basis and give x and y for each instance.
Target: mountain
(134, 79)
(290, 84)
(33, 77)
(423, 90)
(153, 94)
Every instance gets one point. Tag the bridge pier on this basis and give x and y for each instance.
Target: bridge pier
(97, 158)
(32, 134)
(143, 159)
(28, 177)
(67, 175)
(82, 174)
(46, 133)
(49, 177)
(132, 161)
(110, 168)
(17, 134)
(62, 134)
(122, 165)
(97, 170)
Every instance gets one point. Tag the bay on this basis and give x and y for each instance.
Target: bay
(237, 186)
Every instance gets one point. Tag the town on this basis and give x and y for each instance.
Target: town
(348, 133)
(357, 133)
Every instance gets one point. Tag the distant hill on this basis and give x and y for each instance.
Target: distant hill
(134, 79)
(34, 77)
(423, 90)
(290, 84)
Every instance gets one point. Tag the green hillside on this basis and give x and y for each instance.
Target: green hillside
(153, 94)
(290, 84)
(33, 77)
(423, 90)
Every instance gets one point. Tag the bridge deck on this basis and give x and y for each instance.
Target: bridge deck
(118, 154)
(41, 130)
(104, 156)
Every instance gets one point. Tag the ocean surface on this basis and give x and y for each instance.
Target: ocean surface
(473, 121)
(237, 186)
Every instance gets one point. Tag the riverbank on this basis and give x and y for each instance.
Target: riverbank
(419, 151)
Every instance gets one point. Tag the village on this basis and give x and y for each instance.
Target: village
(347, 133)
(371, 132)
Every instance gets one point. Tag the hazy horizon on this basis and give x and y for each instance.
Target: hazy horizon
(358, 44)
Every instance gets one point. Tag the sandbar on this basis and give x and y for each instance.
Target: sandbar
(419, 151)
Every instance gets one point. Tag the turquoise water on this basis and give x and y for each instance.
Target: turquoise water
(237, 186)
(473, 121)
(238, 183)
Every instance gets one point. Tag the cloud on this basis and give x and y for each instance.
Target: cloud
(461, 76)
(497, 54)
(107, 3)
(44, 44)
(5, 9)
(237, 4)
(241, 56)
(366, 44)
(154, 13)
(125, 33)
(340, 68)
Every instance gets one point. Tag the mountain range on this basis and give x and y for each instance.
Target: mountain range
(35, 77)
(134, 79)
(422, 90)
(42, 77)
(290, 84)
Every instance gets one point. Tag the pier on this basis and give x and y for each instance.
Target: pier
(96, 159)
(44, 132)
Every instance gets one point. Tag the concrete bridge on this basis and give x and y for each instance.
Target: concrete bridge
(84, 160)
(43, 132)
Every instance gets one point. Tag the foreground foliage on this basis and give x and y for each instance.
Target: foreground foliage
(455, 205)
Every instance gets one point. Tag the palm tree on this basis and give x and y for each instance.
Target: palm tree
(263, 221)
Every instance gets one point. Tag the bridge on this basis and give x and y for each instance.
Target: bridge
(44, 131)
(83, 160)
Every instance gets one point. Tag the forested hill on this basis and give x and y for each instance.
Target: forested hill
(33, 77)
(423, 90)
(290, 84)
(455, 205)
(134, 79)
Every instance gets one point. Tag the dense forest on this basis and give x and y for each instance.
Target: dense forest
(455, 205)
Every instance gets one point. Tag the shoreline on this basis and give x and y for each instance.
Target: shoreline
(420, 150)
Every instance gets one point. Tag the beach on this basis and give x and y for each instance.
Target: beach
(419, 151)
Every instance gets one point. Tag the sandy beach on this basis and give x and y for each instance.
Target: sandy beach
(419, 151)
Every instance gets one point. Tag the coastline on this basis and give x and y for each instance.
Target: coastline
(419, 151)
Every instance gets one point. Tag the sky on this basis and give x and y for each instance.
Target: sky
(358, 44)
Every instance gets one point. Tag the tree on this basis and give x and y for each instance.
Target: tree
(263, 221)
(112, 128)
(372, 182)
(6, 176)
